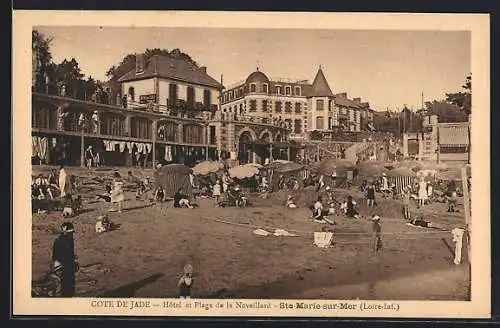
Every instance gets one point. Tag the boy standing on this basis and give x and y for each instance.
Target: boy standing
(377, 233)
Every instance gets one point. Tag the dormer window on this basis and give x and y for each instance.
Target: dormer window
(253, 87)
(278, 90)
(241, 92)
(264, 87)
(288, 90)
(297, 91)
(231, 95)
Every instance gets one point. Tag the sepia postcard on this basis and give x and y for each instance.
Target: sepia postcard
(251, 164)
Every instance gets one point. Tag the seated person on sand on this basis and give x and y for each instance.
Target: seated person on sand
(319, 213)
(106, 196)
(181, 200)
(452, 202)
(44, 186)
(290, 203)
(236, 197)
(104, 224)
(143, 190)
(349, 208)
(159, 194)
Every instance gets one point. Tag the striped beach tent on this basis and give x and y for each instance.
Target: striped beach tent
(401, 177)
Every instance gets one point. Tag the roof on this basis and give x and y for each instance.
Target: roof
(320, 87)
(454, 135)
(346, 102)
(257, 76)
(172, 68)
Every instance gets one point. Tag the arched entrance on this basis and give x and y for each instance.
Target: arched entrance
(245, 150)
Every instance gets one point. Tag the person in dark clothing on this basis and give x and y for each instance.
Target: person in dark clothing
(63, 252)
(377, 234)
(351, 208)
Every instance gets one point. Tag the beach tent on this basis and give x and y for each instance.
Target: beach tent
(243, 171)
(401, 177)
(172, 177)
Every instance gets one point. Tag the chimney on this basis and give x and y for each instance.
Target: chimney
(357, 100)
(139, 63)
(203, 69)
(343, 94)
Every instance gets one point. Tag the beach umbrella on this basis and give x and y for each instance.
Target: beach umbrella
(257, 165)
(329, 165)
(401, 171)
(289, 167)
(243, 171)
(372, 170)
(207, 167)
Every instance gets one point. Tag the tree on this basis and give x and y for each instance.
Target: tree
(69, 74)
(446, 112)
(43, 65)
(462, 99)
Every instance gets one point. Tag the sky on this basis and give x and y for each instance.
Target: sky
(389, 69)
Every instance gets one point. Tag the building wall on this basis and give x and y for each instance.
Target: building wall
(141, 87)
(144, 87)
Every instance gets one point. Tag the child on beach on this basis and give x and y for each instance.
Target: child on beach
(377, 234)
(216, 192)
(185, 283)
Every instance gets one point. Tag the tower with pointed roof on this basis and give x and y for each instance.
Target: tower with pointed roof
(320, 102)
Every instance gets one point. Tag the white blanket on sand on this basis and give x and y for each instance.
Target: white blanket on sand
(323, 239)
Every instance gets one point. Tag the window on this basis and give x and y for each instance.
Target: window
(288, 90)
(190, 97)
(253, 87)
(241, 109)
(131, 93)
(206, 98)
(253, 105)
(320, 104)
(231, 95)
(278, 90)
(172, 94)
(264, 105)
(241, 92)
(192, 134)
(264, 87)
(330, 123)
(278, 107)
(297, 128)
(140, 128)
(288, 107)
(298, 108)
(297, 91)
(319, 123)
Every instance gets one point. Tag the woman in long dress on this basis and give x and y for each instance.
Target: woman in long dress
(422, 192)
(62, 181)
(117, 195)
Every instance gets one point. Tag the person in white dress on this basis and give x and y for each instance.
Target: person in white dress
(422, 192)
(117, 195)
(62, 181)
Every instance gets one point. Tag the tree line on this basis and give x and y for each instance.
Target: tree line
(51, 77)
(454, 107)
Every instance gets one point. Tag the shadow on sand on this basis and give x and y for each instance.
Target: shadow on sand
(129, 290)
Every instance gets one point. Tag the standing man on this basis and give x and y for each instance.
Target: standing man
(63, 253)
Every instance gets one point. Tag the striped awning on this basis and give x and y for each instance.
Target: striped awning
(454, 136)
